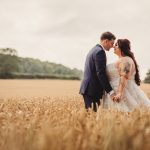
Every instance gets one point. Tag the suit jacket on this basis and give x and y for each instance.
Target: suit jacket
(95, 80)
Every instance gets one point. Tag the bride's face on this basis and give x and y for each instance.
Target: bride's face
(117, 50)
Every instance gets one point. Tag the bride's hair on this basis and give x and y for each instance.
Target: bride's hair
(124, 45)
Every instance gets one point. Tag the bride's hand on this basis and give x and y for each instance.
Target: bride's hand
(117, 98)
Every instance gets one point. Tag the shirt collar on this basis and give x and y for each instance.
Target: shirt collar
(102, 47)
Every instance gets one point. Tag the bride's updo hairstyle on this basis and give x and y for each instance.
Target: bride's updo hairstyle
(125, 47)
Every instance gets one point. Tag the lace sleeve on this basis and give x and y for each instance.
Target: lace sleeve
(124, 69)
(124, 72)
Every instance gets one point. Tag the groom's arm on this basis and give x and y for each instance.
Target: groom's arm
(100, 64)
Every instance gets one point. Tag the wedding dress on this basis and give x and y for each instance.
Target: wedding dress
(132, 96)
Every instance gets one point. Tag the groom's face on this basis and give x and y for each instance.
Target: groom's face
(109, 44)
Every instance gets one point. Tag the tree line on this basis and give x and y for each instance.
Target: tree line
(12, 66)
(147, 78)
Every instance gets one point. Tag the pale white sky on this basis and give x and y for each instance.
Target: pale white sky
(63, 31)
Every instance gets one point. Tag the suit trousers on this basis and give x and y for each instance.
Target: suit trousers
(91, 102)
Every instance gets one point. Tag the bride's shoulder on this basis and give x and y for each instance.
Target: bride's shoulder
(121, 62)
(125, 60)
(125, 63)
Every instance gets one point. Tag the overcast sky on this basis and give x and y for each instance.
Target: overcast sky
(63, 31)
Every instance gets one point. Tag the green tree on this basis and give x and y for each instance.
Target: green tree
(8, 62)
(8, 51)
(147, 79)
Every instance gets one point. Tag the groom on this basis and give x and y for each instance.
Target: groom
(95, 80)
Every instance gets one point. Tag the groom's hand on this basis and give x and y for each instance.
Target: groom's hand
(112, 96)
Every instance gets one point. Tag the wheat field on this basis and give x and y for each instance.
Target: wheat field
(50, 115)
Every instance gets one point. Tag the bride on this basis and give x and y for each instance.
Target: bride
(124, 79)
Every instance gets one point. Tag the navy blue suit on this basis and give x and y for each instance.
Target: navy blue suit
(95, 80)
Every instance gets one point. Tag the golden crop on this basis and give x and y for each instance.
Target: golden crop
(59, 122)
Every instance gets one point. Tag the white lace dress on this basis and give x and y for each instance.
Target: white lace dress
(133, 96)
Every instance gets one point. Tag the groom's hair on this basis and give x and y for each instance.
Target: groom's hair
(107, 35)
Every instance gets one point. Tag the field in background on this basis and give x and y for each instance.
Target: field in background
(44, 88)
(49, 114)
(38, 88)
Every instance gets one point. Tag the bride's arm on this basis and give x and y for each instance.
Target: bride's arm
(124, 72)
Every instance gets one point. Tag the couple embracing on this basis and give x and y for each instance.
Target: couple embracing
(115, 85)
